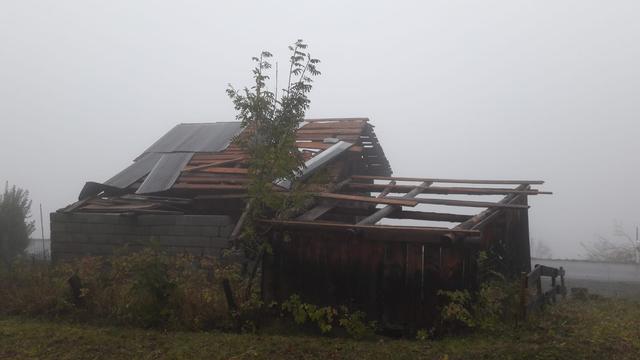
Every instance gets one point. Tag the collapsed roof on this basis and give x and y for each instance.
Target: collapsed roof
(196, 168)
(200, 160)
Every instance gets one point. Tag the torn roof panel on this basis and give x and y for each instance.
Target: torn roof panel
(205, 137)
(141, 167)
(165, 172)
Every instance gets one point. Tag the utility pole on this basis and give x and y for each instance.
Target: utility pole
(44, 256)
(637, 247)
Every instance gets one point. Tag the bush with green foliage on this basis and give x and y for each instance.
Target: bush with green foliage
(455, 311)
(146, 288)
(327, 318)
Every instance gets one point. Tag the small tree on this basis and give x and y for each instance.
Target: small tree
(15, 226)
(269, 137)
(604, 249)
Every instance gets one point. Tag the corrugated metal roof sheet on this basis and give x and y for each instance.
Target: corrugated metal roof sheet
(317, 162)
(183, 138)
(165, 172)
(207, 137)
(135, 171)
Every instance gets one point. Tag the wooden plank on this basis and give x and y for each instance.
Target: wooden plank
(321, 137)
(368, 199)
(431, 235)
(334, 125)
(209, 157)
(462, 203)
(336, 131)
(385, 211)
(213, 164)
(187, 186)
(534, 275)
(77, 204)
(221, 197)
(461, 181)
(317, 211)
(548, 271)
(445, 190)
(204, 180)
(339, 120)
(215, 177)
(429, 216)
(387, 189)
(224, 170)
(322, 146)
(486, 216)
(311, 202)
(406, 214)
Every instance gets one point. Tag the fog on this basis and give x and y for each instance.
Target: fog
(478, 89)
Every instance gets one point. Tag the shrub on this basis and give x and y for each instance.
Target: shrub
(497, 304)
(327, 318)
(34, 289)
(455, 311)
(147, 288)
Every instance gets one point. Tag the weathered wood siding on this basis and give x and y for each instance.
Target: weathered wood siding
(394, 282)
(78, 234)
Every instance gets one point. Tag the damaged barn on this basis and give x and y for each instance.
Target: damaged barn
(188, 190)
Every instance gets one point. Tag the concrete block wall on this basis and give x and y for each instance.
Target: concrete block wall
(79, 234)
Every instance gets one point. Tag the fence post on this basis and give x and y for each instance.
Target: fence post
(554, 287)
(564, 289)
(523, 295)
(539, 289)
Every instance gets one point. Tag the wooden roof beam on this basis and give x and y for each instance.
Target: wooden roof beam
(444, 190)
(462, 203)
(368, 199)
(424, 235)
(385, 211)
(460, 181)
(407, 214)
(486, 215)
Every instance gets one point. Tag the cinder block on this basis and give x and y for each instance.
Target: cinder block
(203, 220)
(225, 231)
(131, 220)
(207, 230)
(59, 217)
(156, 220)
(184, 241)
(160, 230)
(99, 218)
(58, 226)
(220, 242)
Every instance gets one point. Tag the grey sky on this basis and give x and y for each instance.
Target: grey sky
(483, 89)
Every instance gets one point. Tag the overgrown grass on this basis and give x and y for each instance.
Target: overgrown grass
(595, 329)
(145, 289)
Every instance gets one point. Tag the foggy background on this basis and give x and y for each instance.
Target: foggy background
(473, 89)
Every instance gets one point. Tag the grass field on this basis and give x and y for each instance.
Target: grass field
(602, 329)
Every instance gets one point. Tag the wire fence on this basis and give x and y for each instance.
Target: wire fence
(39, 250)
